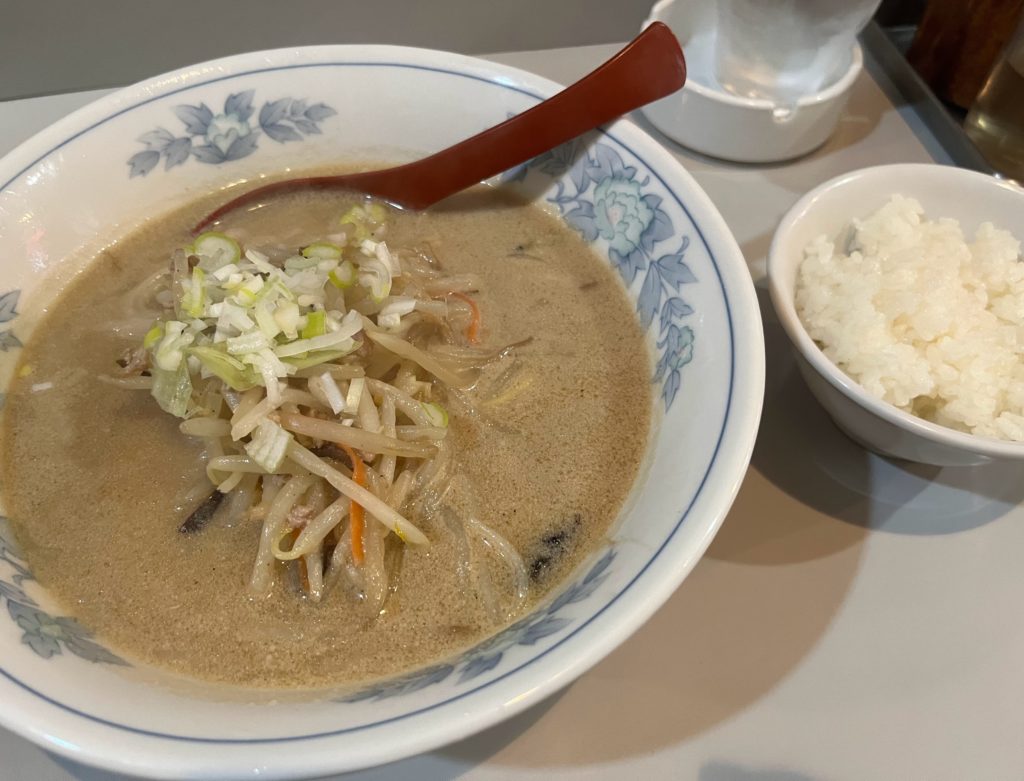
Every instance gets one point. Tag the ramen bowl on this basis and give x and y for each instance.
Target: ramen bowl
(137, 154)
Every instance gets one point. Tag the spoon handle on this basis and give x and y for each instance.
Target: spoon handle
(649, 68)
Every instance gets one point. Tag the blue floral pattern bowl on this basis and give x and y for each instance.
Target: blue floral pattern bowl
(163, 142)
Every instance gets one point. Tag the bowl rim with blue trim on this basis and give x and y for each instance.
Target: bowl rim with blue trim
(160, 143)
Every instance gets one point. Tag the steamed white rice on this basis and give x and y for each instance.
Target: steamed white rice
(922, 318)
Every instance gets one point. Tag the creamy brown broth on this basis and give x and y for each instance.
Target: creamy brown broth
(92, 472)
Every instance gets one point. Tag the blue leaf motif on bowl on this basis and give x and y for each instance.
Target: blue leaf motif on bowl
(216, 137)
(45, 634)
(9, 311)
(603, 197)
(528, 631)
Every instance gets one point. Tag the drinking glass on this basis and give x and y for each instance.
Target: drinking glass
(782, 50)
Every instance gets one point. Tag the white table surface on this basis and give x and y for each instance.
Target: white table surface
(854, 619)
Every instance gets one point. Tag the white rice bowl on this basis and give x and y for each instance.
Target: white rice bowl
(922, 318)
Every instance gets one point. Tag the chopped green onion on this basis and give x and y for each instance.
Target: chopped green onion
(385, 256)
(250, 322)
(340, 339)
(344, 276)
(170, 351)
(225, 273)
(172, 388)
(300, 262)
(322, 250)
(153, 335)
(314, 358)
(316, 324)
(376, 277)
(288, 316)
(390, 315)
(336, 340)
(234, 316)
(270, 368)
(266, 358)
(438, 414)
(219, 248)
(231, 370)
(193, 303)
(247, 292)
(260, 261)
(358, 219)
(251, 342)
(265, 320)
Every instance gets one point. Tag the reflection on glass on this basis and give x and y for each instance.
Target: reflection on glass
(781, 50)
(996, 121)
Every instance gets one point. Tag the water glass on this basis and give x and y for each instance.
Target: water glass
(782, 50)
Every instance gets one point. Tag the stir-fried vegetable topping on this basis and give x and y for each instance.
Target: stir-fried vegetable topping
(247, 321)
(318, 383)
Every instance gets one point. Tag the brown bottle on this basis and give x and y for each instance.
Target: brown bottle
(996, 120)
(957, 43)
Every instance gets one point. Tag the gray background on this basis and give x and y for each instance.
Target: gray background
(51, 46)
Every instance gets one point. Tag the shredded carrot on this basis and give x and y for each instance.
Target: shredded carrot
(356, 512)
(473, 329)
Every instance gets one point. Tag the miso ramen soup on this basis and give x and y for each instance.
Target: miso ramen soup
(327, 441)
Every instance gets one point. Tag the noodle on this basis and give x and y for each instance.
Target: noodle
(280, 360)
(367, 414)
(248, 343)
(313, 564)
(244, 422)
(431, 363)
(205, 427)
(509, 556)
(340, 372)
(361, 439)
(229, 484)
(242, 464)
(263, 568)
(414, 433)
(388, 462)
(375, 578)
(315, 531)
(246, 402)
(460, 283)
(404, 403)
(238, 502)
(400, 489)
(374, 506)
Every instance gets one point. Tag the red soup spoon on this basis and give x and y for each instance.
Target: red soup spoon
(649, 68)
